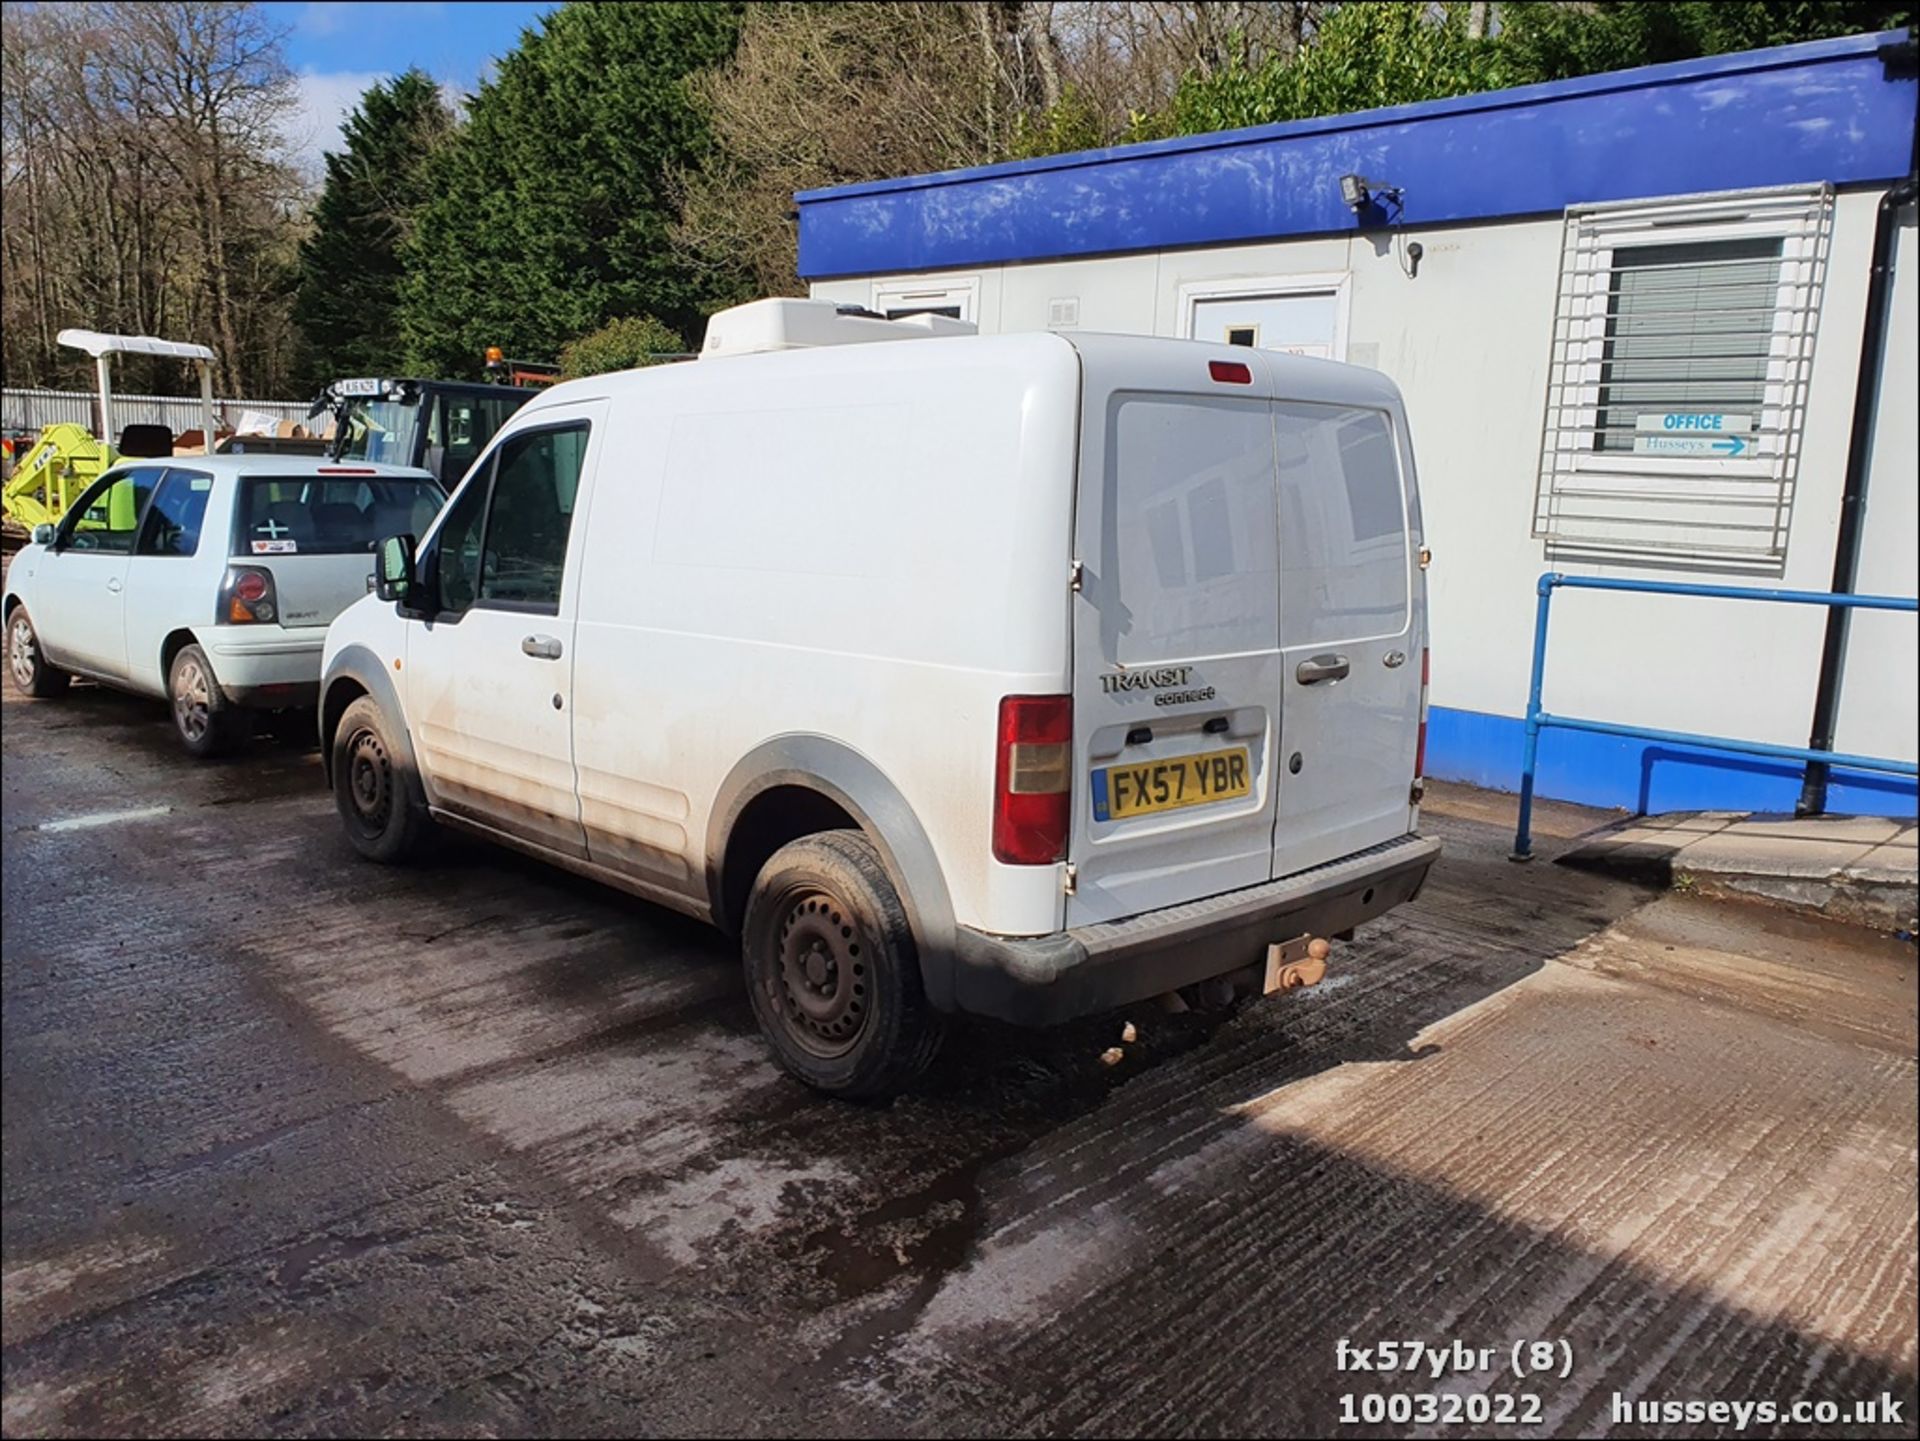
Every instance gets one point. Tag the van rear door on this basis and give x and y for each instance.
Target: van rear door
(1177, 666)
(1352, 629)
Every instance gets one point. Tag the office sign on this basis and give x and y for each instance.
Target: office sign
(1693, 432)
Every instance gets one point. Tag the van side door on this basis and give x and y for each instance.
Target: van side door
(1351, 632)
(489, 667)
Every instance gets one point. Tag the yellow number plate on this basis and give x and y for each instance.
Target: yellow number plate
(1169, 785)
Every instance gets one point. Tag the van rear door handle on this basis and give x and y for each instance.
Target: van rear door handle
(541, 647)
(114, 585)
(1323, 667)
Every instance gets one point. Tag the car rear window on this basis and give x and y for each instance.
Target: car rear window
(329, 515)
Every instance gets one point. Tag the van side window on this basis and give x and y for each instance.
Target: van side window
(175, 514)
(1343, 525)
(457, 544)
(505, 536)
(532, 513)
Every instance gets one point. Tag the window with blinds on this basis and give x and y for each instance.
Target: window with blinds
(1682, 344)
(1689, 331)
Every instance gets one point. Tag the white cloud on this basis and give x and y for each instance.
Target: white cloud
(324, 99)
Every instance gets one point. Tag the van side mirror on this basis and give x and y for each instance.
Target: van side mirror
(393, 569)
(44, 533)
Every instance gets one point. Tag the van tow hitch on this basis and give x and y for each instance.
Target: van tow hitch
(1301, 961)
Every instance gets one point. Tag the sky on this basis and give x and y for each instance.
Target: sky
(337, 48)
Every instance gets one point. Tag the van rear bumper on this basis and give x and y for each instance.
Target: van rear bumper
(1043, 980)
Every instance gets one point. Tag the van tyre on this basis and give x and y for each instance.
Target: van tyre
(377, 792)
(27, 663)
(832, 970)
(207, 723)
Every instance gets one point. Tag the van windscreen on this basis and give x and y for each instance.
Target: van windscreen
(329, 515)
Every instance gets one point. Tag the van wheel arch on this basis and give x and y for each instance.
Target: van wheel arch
(795, 786)
(340, 694)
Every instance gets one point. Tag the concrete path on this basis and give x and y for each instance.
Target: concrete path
(1851, 868)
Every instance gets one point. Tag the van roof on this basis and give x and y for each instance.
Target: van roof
(1295, 377)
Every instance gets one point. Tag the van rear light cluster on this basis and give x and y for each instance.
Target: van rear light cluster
(1420, 752)
(1230, 372)
(1033, 780)
(250, 597)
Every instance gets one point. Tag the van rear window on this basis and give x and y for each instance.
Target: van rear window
(329, 515)
(1191, 524)
(1343, 525)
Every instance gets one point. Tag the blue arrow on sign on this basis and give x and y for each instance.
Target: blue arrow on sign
(1733, 445)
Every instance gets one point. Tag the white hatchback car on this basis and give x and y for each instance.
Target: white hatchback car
(207, 580)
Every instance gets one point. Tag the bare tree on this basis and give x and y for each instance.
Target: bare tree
(144, 187)
(823, 94)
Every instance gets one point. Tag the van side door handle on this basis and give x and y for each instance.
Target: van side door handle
(541, 647)
(1322, 667)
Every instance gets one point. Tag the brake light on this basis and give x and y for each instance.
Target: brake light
(1420, 752)
(1230, 372)
(345, 470)
(1033, 779)
(250, 596)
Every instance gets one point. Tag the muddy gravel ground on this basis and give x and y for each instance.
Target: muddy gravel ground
(295, 1144)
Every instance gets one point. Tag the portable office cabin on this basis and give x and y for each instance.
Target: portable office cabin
(1627, 314)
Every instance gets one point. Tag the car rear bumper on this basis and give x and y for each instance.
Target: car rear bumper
(267, 667)
(1043, 980)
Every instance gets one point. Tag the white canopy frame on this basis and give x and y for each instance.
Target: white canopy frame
(104, 347)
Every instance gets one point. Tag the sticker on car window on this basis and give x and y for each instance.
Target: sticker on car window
(202, 482)
(275, 547)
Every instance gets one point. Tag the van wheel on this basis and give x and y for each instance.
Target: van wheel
(832, 971)
(207, 722)
(378, 795)
(27, 663)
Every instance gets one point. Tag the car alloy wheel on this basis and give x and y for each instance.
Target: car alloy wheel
(23, 655)
(192, 700)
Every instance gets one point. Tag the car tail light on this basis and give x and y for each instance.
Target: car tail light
(1420, 752)
(250, 597)
(1033, 780)
(1230, 372)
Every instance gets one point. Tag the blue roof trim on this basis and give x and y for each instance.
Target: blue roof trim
(1820, 111)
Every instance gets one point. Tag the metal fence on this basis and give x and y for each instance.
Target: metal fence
(22, 409)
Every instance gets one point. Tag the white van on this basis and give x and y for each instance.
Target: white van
(1020, 675)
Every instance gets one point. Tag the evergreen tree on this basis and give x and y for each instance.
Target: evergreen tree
(348, 291)
(551, 207)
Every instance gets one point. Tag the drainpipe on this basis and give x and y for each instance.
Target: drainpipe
(1898, 58)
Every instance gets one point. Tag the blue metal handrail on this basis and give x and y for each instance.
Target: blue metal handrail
(1539, 720)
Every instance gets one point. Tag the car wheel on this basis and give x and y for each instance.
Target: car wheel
(27, 663)
(376, 791)
(207, 722)
(832, 970)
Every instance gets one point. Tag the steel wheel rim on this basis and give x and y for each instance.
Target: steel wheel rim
(192, 701)
(20, 653)
(824, 985)
(369, 781)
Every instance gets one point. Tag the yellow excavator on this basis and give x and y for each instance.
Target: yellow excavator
(67, 458)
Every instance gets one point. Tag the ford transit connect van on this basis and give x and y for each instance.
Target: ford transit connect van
(1022, 675)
